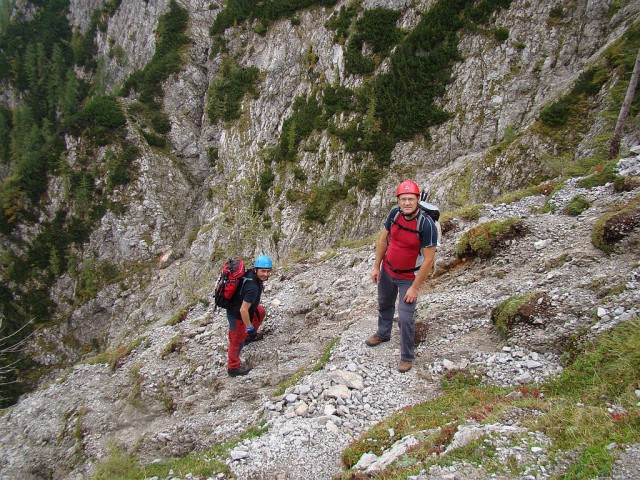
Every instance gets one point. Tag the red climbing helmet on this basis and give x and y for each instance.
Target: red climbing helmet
(408, 186)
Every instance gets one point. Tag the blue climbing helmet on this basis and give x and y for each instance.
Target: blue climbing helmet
(263, 261)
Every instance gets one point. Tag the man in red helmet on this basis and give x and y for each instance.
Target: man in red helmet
(404, 258)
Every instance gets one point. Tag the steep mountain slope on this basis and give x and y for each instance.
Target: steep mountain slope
(167, 393)
(196, 139)
(235, 186)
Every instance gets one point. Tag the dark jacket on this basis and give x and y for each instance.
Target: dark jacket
(250, 291)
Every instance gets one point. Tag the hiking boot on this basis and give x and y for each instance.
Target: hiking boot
(374, 340)
(404, 366)
(241, 370)
(254, 338)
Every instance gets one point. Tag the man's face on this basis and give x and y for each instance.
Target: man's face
(263, 273)
(407, 203)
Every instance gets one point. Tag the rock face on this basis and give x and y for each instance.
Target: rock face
(499, 88)
(184, 207)
(164, 392)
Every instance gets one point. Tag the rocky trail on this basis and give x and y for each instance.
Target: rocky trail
(313, 422)
(170, 395)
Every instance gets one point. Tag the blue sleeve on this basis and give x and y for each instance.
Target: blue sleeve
(392, 214)
(429, 233)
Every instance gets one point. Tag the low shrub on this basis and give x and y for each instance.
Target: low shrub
(576, 206)
(321, 200)
(482, 239)
(602, 175)
(616, 225)
(524, 307)
(101, 117)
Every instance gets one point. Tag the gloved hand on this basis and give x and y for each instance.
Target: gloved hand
(251, 333)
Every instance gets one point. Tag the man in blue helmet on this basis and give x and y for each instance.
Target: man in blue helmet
(245, 319)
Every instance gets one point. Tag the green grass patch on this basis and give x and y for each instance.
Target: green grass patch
(602, 174)
(506, 313)
(482, 240)
(545, 188)
(326, 355)
(180, 315)
(573, 409)
(121, 465)
(616, 225)
(576, 206)
(114, 358)
(468, 212)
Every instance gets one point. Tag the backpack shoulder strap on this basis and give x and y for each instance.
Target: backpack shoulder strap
(395, 211)
(419, 223)
(243, 280)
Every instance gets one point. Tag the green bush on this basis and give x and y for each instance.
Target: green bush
(337, 99)
(616, 225)
(293, 196)
(266, 179)
(356, 63)
(101, 117)
(576, 206)
(298, 174)
(588, 84)
(155, 140)
(307, 116)
(228, 89)
(603, 174)
(556, 114)
(340, 21)
(321, 201)
(260, 202)
(501, 34)
(481, 240)
(160, 122)
(5, 139)
(369, 178)
(120, 167)
(212, 155)
(626, 184)
(510, 311)
(266, 12)
(166, 60)
(377, 28)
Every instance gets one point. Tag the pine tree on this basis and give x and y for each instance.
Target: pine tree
(70, 98)
(55, 82)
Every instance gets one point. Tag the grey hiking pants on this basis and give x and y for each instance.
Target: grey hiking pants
(388, 290)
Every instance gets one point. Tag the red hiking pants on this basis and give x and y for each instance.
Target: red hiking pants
(237, 334)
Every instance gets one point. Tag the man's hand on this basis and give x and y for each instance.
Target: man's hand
(375, 274)
(251, 333)
(411, 295)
